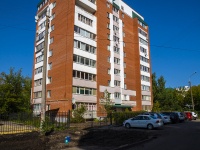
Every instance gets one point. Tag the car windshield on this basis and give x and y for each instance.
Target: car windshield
(153, 117)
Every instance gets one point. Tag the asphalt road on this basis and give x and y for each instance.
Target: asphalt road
(181, 136)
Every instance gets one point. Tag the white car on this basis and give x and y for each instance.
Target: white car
(166, 119)
(194, 116)
(143, 121)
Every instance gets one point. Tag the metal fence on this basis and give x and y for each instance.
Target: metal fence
(28, 122)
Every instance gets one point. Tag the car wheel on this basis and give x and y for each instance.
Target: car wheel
(127, 125)
(150, 126)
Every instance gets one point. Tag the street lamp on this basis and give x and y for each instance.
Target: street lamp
(190, 83)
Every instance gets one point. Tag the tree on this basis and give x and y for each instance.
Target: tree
(106, 102)
(78, 114)
(156, 107)
(15, 92)
(154, 87)
(161, 89)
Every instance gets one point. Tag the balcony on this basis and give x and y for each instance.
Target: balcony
(88, 5)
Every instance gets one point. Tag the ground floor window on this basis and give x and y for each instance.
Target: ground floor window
(88, 106)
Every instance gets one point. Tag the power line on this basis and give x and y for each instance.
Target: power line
(160, 46)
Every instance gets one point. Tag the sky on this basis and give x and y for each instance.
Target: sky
(174, 29)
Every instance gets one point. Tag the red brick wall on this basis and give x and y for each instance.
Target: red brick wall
(102, 42)
(62, 58)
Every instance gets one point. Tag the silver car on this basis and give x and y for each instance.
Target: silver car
(166, 119)
(143, 121)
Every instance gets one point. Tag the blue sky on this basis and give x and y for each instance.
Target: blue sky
(174, 37)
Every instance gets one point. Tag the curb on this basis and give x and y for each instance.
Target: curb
(122, 147)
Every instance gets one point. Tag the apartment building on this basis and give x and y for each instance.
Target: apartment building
(92, 46)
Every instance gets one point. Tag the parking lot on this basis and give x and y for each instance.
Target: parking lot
(179, 136)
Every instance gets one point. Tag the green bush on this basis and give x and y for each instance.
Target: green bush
(77, 115)
(47, 125)
(120, 117)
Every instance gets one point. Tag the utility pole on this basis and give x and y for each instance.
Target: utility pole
(44, 70)
(191, 95)
(190, 83)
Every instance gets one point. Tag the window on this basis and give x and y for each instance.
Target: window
(116, 19)
(123, 24)
(115, 28)
(122, 15)
(36, 107)
(92, 1)
(39, 58)
(124, 44)
(49, 80)
(48, 94)
(108, 47)
(123, 34)
(50, 53)
(52, 27)
(116, 49)
(42, 25)
(85, 47)
(124, 75)
(108, 5)
(116, 72)
(124, 54)
(115, 9)
(108, 59)
(53, 16)
(117, 83)
(117, 95)
(108, 15)
(125, 97)
(84, 33)
(38, 70)
(146, 97)
(122, 8)
(108, 35)
(84, 90)
(54, 4)
(124, 65)
(49, 66)
(142, 32)
(125, 86)
(40, 36)
(109, 71)
(142, 24)
(145, 78)
(145, 88)
(144, 68)
(85, 20)
(38, 82)
(108, 26)
(116, 60)
(84, 75)
(108, 82)
(37, 94)
(115, 38)
(144, 59)
(40, 47)
(51, 40)
(84, 61)
(143, 41)
(143, 50)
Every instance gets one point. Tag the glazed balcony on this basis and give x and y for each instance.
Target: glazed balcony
(88, 5)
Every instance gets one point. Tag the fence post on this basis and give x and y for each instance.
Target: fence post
(68, 119)
(111, 118)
